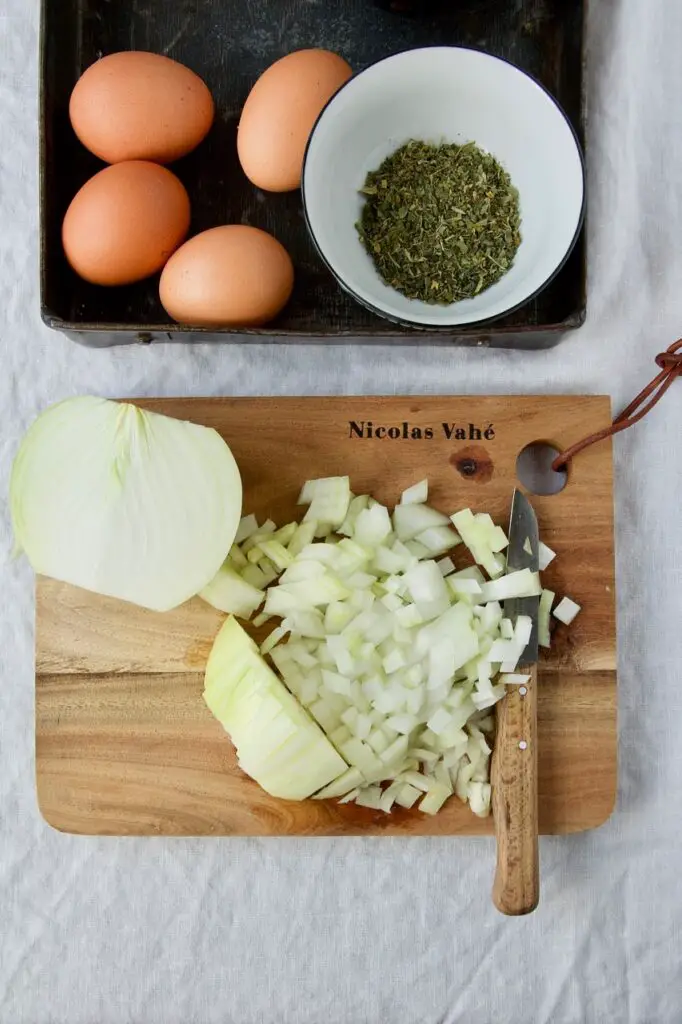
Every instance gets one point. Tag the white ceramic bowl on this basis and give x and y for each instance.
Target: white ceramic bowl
(445, 94)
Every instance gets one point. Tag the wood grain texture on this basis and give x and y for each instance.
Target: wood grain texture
(124, 743)
(514, 775)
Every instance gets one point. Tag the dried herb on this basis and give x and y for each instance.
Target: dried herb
(440, 222)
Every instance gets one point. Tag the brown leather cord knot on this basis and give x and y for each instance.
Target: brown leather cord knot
(671, 359)
(670, 363)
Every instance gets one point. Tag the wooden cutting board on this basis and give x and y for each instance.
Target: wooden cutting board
(124, 742)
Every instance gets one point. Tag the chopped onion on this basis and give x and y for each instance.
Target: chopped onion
(566, 611)
(410, 520)
(372, 526)
(415, 779)
(522, 583)
(356, 506)
(247, 526)
(472, 572)
(546, 602)
(416, 494)
(370, 797)
(480, 536)
(277, 553)
(507, 629)
(361, 755)
(437, 540)
(545, 556)
(307, 492)
(465, 587)
(479, 798)
(523, 630)
(303, 536)
(269, 645)
(435, 798)
(330, 500)
(228, 592)
(389, 796)
(408, 796)
(427, 588)
(253, 575)
(416, 550)
(439, 721)
(237, 559)
(262, 533)
(342, 786)
(350, 797)
(124, 502)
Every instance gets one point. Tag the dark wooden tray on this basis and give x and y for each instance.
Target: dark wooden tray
(229, 43)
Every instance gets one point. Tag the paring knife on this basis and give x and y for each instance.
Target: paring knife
(516, 888)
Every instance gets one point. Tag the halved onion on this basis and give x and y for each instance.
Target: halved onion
(277, 742)
(123, 502)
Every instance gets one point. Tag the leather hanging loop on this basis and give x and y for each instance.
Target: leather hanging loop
(670, 363)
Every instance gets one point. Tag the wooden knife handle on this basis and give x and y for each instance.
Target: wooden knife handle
(516, 889)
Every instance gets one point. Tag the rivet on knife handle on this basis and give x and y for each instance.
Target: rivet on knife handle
(516, 889)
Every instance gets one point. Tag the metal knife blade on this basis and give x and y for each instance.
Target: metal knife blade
(524, 553)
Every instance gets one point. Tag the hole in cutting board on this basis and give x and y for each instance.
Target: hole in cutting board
(534, 469)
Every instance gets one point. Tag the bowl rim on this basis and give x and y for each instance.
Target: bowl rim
(479, 322)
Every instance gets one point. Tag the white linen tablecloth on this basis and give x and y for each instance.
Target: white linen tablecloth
(120, 931)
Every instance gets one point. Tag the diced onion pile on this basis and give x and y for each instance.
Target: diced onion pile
(396, 654)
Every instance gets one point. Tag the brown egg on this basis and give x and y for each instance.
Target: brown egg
(140, 106)
(279, 115)
(125, 222)
(231, 276)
